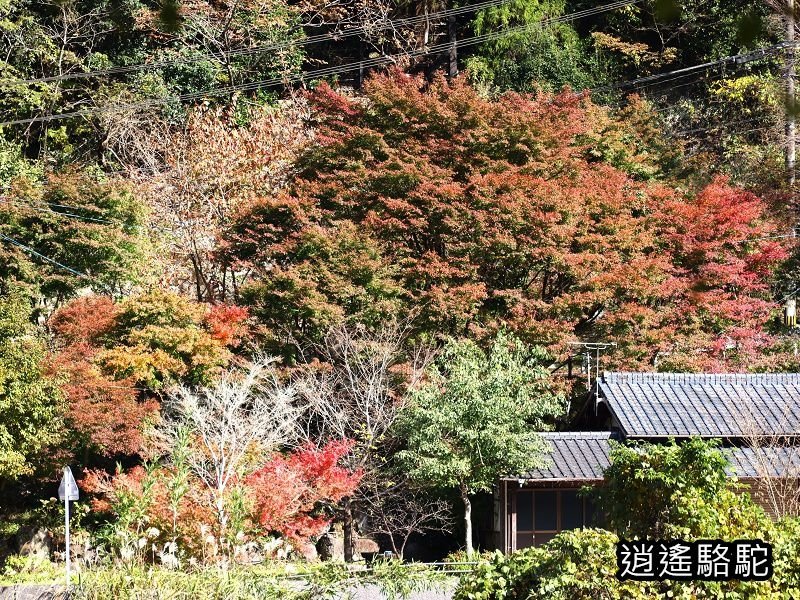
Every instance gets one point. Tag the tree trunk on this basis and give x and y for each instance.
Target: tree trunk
(467, 520)
(347, 530)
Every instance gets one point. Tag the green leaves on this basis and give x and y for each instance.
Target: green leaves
(81, 220)
(169, 16)
(30, 401)
(671, 490)
(477, 416)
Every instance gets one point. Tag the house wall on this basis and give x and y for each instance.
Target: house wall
(778, 496)
(534, 513)
(513, 529)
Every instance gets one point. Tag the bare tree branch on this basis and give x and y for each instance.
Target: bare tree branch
(245, 415)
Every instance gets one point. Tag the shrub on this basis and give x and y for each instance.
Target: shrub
(665, 491)
(676, 491)
(30, 569)
(582, 564)
(271, 581)
(575, 564)
(291, 492)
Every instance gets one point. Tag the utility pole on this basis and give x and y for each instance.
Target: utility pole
(360, 76)
(453, 57)
(591, 360)
(790, 97)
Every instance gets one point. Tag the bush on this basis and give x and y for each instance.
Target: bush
(674, 490)
(30, 569)
(582, 564)
(575, 564)
(271, 581)
(665, 491)
(209, 584)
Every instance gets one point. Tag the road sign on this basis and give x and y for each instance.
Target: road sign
(67, 489)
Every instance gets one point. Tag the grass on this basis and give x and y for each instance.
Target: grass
(273, 580)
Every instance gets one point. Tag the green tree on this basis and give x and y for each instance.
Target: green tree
(477, 416)
(189, 48)
(549, 57)
(676, 491)
(30, 401)
(82, 220)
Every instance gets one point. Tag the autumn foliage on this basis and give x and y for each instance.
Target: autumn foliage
(477, 214)
(110, 355)
(149, 505)
(291, 492)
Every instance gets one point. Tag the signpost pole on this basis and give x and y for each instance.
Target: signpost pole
(67, 490)
(66, 529)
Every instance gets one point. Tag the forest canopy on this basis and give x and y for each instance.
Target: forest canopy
(256, 254)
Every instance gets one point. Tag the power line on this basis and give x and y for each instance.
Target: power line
(52, 261)
(737, 59)
(326, 72)
(781, 236)
(723, 126)
(332, 36)
(46, 208)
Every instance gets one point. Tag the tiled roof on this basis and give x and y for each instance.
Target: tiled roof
(575, 455)
(707, 405)
(764, 462)
(583, 456)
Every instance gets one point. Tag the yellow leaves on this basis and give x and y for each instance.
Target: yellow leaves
(164, 338)
(753, 92)
(13, 464)
(637, 54)
(157, 355)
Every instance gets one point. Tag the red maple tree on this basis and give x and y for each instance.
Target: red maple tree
(109, 355)
(291, 492)
(530, 212)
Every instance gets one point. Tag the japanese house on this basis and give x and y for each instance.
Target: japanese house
(757, 417)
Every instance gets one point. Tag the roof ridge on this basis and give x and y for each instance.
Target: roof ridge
(589, 435)
(683, 404)
(644, 376)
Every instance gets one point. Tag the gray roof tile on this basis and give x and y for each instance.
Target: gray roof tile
(583, 456)
(708, 405)
(574, 456)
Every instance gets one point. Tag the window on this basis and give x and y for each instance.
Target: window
(525, 511)
(594, 516)
(572, 510)
(545, 506)
(541, 514)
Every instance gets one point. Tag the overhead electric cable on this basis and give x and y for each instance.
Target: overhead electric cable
(781, 236)
(262, 49)
(723, 126)
(738, 59)
(46, 208)
(325, 72)
(33, 252)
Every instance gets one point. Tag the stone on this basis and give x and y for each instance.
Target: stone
(331, 546)
(308, 551)
(35, 541)
(366, 544)
(33, 592)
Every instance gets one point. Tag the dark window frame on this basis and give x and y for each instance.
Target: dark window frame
(534, 533)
